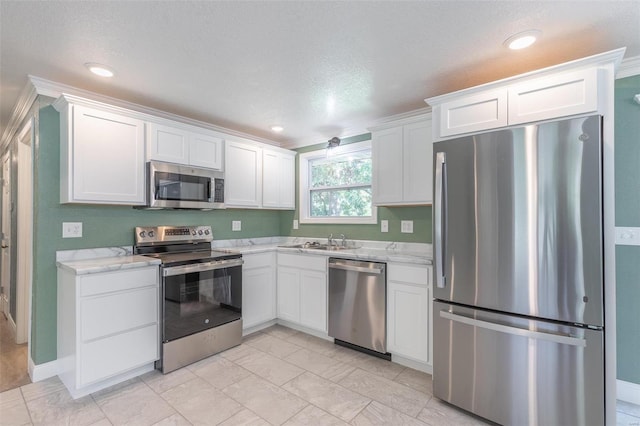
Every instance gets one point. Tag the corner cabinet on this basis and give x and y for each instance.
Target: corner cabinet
(259, 176)
(258, 289)
(402, 164)
(409, 307)
(302, 290)
(101, 153)
(108, 326)
(177, 144)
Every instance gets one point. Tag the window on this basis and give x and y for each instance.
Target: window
(336, 188)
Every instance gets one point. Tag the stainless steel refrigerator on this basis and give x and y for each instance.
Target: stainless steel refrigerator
(518, 316)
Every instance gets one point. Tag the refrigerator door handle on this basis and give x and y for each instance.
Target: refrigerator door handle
(440, 201)
(557, 338)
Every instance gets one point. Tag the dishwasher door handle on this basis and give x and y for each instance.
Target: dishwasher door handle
(376, 271)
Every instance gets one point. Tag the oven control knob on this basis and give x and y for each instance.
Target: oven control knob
(142, 234)
(199, 231)
(193, 232)
(206, 232)
(151, 234)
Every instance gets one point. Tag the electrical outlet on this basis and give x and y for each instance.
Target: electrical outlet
(627, 236)
(71, 229)
(236, 225)
(384, 226)
(406, 226)
(295, 223)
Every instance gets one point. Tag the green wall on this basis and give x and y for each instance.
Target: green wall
(421, 216)
(627, 165)
(102, 226)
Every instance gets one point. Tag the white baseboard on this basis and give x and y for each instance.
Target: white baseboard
(250, 330)
(628, 392)
(42, 371)
(416, 365)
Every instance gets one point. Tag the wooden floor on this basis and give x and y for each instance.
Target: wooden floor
(13, 359)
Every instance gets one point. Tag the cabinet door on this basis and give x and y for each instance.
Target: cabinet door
(288, 181)
(418, 163)
(482, 111)
(243, 175)
(258, 293)
(271, 164)
(407, 320)
(313, 300)
(205, 151)
(386, 152)
(167, 144)
(552, 97)
(278, 179)
(108, 159)
(288, 294)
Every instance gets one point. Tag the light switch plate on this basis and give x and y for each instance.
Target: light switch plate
(236, 225)
(627, 236)
(71, 229)
(406, 226)
(384, 226)
(295, 223)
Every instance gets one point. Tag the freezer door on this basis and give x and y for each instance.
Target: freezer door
(518, 221)
(516, 371)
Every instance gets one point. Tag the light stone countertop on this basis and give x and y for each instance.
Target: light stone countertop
(107, 264)
(379, 251)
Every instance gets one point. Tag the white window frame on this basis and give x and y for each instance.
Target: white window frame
(305, 159)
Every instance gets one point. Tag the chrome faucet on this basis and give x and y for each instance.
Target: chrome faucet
(344, 240)
(330, 240)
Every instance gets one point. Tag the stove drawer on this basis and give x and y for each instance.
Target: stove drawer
(128, 279)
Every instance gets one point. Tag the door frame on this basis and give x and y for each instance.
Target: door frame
(5, 268)
(24, 261)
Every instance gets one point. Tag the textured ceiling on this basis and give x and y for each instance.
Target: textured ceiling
(318, 68)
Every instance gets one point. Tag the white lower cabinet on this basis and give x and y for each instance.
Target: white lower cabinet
(408, 311)
(258, 289)
(302, 290)
(108, 326)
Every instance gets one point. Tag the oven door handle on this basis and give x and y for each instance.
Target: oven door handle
(201, 267)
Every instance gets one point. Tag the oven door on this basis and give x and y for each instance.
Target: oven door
(200, 296)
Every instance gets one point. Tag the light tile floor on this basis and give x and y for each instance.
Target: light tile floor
(277, 376)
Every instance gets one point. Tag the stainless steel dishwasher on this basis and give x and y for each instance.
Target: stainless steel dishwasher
(358, 305)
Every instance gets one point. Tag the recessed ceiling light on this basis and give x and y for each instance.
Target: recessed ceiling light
(99, 69)
(277, 129)
(522, 40)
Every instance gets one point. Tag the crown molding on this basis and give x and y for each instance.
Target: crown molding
(40, 86)
(25, 101)
(629, 67)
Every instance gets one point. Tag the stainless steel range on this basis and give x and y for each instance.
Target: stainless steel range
(201, 303)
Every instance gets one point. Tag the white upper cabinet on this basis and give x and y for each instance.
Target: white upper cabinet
(175, 144)
(243, 176)
(101, 153)
(402, 164)
(563, 90)
(259, 176)
(555, 96)
(278, 179)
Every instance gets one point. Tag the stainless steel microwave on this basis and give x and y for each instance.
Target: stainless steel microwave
(176, 186)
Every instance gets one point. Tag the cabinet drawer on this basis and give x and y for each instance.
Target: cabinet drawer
(118, 312)
(107, 357)
(258, 260)
(299, 261)
(117, 281)
(420, 275)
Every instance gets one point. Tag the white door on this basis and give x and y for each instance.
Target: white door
(5, 260)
